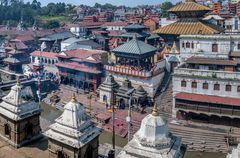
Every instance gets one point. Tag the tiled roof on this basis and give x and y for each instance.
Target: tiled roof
(45, 54)
(189, 5)
(90, 44)
(135, 46)
(208, 99)
(117, 23)
(78, 67)
(134, 26)
(189, 27)
(58, 36)
(210, 61)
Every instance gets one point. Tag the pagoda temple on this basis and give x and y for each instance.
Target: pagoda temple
(153, 140)
(136, 60)
(19, 118)
(73, 134)
(16, 58)
(190, 21)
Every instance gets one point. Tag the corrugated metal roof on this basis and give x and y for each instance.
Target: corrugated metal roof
(135, 46)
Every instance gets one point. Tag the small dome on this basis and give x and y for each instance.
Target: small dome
(153, 131)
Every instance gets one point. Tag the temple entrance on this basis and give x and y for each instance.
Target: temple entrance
(173, 65)
(105, 98)
(29, 130)
(89, 152)
(7, 130)
(91, 87)
(122, 104)
(61, 154)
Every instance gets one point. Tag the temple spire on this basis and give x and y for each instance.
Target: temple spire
(155, 110)
(74, 98)
(18, 81)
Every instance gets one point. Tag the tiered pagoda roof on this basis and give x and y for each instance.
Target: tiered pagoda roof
(74, 127)
(190, 21)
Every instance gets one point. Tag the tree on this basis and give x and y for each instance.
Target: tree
(52, 24)
(165, 7)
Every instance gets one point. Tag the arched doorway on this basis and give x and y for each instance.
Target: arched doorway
(105, 98)
(61, 154)
(91, 87)
(7, 130)
(29, 130)
(89, 152)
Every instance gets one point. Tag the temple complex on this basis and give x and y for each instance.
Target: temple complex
(111, 92)
(206, 92)
(153, 140)
(190, 15)
(19, 118)
(81, 68)
(73, 134)
(137, 61)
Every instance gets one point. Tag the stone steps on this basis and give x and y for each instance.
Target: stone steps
(200, 139)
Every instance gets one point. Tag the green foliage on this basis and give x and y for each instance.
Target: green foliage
(105, 6)
(51, 24)
(14, 10)
(165, 7)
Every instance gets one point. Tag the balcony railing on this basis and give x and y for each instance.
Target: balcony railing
(208, 109)
(207, 73)
(157, 69)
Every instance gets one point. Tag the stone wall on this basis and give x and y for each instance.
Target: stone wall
(18, 130)
(55, 146)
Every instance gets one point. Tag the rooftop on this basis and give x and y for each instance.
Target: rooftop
(186, 27)
(210, 61)
(208, 99)
(44, 54)
(190, 6)
(135, 46)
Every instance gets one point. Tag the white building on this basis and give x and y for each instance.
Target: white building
(73, 134)
(115, 26)
(153, 140)
(212, 46)
(69, 41)
(232, 25)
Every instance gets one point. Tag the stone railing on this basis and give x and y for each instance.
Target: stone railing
(208, 73)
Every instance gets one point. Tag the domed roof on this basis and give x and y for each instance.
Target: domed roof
(153, 131)
(73, 115)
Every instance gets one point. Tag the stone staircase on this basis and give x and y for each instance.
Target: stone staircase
(204, 138)
(164, 98)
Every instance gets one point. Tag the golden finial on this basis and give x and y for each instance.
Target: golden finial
(18, 81)
(74, 98)
(155, 110)
(174, 45)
